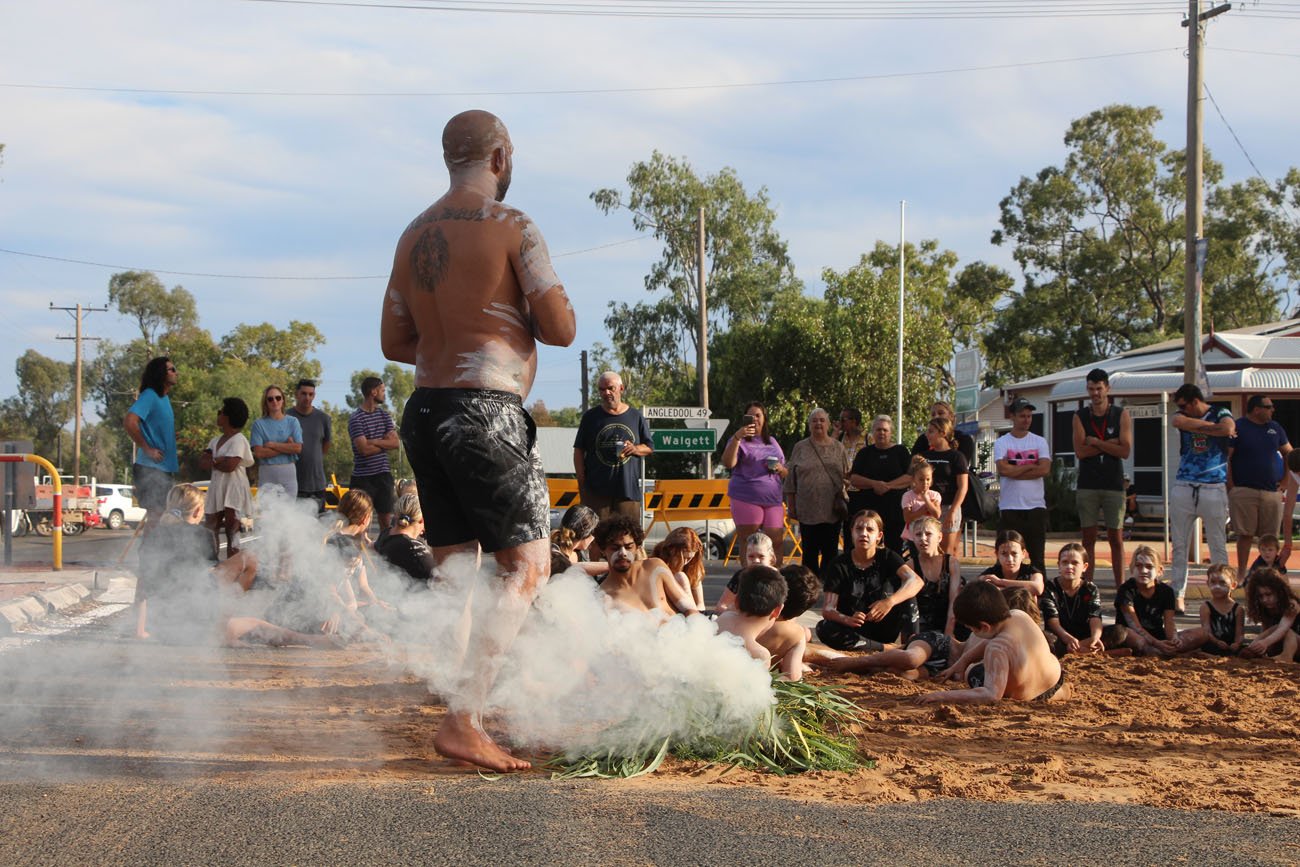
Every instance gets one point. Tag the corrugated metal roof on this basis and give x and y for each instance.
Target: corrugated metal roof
(1272, 343)
(1125, 383)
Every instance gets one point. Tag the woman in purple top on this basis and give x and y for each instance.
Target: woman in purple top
(757, 467)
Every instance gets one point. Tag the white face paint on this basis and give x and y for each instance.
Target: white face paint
(494, 365)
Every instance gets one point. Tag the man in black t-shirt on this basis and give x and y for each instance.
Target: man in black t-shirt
(878, 477)
(1103, 440)
(612, 439)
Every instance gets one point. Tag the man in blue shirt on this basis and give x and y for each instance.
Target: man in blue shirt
(152, 427)
(1255, 459)
(1200, 488)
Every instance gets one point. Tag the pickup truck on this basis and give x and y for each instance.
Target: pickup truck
(80, 507)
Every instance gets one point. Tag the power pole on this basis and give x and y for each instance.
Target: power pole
(586, 387)
(76, 394)
(1194, 255)
(702, 358)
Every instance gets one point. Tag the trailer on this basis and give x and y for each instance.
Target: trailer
(80, 507)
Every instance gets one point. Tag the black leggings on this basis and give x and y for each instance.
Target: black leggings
(820, 542)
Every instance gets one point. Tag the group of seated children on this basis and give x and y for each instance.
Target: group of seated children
(316, 598)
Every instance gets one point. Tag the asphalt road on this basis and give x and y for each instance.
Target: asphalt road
(469, 821)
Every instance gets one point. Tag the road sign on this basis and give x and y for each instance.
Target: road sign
(675, 412)
(684, 440)
(967, 400)
(1144, 410)
(966, 368)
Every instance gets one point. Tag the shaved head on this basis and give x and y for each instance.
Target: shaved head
(471, 136)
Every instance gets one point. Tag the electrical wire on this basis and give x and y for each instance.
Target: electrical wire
(608, 90)
(780, 9)
(169, 273)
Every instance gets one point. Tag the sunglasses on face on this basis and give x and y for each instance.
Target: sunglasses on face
(275, 397)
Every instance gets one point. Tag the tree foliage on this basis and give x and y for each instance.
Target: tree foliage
(1100, 242)
(842, 350)
(747, 268)
(141, 296)
(43, 404)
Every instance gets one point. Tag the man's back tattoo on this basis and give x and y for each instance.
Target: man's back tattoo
(429, 258)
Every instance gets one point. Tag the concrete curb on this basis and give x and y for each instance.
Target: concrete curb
(37, 606)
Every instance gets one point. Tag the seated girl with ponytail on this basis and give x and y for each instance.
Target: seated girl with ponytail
(570, 543)
(403, 545)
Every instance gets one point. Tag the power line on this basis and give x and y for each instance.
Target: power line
(275, 276)
(1290, 217)
(758, 10)
(606, 90)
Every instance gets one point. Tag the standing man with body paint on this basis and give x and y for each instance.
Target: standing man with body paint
(471, 293)
(612, 439)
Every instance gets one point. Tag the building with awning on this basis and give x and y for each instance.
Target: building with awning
(1261, 359)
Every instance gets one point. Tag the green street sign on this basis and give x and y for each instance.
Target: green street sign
(967, 400)
(704, 440)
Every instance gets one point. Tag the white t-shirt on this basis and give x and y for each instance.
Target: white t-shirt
(1028, 449)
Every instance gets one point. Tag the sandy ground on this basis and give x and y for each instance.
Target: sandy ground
(1201, 734)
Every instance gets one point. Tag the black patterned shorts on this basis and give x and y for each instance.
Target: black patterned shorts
(474, 453)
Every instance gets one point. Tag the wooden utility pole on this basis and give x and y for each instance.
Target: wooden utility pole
(586, 386)
(76, 392)
(1194, 257)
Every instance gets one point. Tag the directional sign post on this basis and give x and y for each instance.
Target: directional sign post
(675, 412)
(684, 440)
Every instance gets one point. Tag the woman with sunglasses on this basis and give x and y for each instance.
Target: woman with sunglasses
(277, 442)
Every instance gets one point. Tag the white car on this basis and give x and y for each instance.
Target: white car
(117, 506)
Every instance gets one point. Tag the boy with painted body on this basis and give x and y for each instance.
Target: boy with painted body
(786, 640)
(638, 585)
(1017, 663)
(758, 605)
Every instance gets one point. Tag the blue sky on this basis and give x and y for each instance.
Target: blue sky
(320, 186)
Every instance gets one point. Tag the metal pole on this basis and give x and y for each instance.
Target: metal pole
(703, 358)
(11, 495)
(586, 384)
(1164, 462)
(76, 411)
(902, 208)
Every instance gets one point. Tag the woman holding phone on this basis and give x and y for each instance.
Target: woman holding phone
(758, 470)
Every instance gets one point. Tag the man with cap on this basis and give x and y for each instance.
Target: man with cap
(1103, 439)
(1023, 459)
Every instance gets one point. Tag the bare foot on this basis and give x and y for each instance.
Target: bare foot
(142, 635)
(459, 738)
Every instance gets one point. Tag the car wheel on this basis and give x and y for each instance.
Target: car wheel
(115, 519)
(74, 529)
(717, 547)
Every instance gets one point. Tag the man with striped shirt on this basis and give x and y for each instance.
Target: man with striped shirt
(373, 436)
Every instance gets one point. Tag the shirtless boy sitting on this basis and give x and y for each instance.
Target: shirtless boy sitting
(1017, 664)
(638, 585)
(761, 594)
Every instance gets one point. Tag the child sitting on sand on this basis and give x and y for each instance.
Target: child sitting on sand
(1269, 549)
(1275, 607)
(758, 552)
(1013, 567)
(1145, 606)
(683, 552)
(1017, 663)
(1222, 618)
(787, 640)
(633, 584)
(940, 574)
(570, 542)
(1071, 605)
(758, 605)
(867, 589)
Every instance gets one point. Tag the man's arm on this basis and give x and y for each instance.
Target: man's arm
(1082, 448)
(1224, 427)
(548, 304)
(397, 335)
